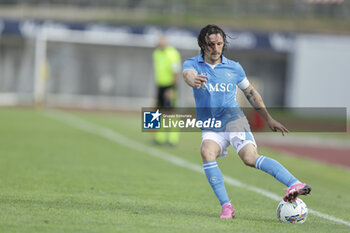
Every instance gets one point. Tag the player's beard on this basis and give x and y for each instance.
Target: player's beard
(214, 57)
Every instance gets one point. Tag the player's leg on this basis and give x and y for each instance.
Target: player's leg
(174, 134)
(248, 154)
(160, 136)
(167, 97)
(245, 145)
(251, 158)
(277, 170)
(174, 137)
(210, 150)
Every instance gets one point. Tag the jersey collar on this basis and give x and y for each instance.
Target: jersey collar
(223, 59)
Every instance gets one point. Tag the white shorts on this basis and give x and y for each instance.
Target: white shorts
(237, 134)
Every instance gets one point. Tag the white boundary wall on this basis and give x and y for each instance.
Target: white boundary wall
(320, 72)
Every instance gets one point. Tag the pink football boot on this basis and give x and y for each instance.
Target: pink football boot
(227, 211)
(295, 190)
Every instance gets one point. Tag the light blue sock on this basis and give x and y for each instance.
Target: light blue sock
(216, 180)
(275, 169)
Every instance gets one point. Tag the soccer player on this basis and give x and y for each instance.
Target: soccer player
(167, 67)
(215, 79)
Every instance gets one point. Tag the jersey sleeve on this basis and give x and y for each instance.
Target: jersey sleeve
(189, 65)
(243, 81)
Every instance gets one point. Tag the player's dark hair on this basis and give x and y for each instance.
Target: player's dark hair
(206, 32)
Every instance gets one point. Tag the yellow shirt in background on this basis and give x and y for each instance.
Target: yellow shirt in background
(166, 63)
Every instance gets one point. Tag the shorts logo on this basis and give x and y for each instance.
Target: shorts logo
(151, 120)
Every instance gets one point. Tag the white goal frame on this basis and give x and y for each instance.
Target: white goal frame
(113, 38)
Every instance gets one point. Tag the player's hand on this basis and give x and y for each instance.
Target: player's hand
(275, 125)
(199, 80)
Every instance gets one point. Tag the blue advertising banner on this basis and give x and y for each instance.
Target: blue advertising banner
(245, 40)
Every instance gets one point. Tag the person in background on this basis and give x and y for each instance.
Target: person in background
(167, 67)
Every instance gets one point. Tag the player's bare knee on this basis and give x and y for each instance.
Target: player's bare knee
(209, 151)
(249, 160)
(249, 155)
(207, 154)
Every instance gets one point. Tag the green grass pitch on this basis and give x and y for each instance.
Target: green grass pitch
(57, 178)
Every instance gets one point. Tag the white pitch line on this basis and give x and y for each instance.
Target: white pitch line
(132, 144)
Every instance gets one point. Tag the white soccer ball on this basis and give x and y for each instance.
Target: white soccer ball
(295, 212)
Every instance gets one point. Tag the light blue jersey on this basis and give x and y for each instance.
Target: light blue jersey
(217, 97)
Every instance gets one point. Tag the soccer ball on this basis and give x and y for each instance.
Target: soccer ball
(295, 212)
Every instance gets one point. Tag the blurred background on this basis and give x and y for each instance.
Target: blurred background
(98, 54)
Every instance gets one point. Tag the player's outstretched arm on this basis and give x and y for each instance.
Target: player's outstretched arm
(193, 79)
(257, 102)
